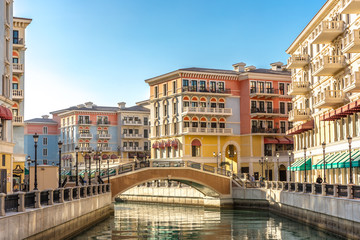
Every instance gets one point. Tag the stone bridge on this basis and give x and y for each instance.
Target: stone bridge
(211, 181)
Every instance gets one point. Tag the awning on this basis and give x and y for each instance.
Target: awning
(174, 143)
(196, 143)
(162, 144)
(341, 112)
(270, 140)
(301, 128)
(113, 156)
(8, 114)
(168, 143)
(299, 165)
(155, 145)
(105, 156)
(283, 140)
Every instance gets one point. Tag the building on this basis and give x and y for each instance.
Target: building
(325, 84)
(18, 89)
(214, 116)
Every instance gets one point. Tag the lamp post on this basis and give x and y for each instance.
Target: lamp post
(262, 166)
(289, 153)
(108, 170)
(29, 162)
(278, 167)
(350, 140)
(76, 163)
(267, 168)
(59, 145)
(91, 153)
(305, 161)
(36, 138)
(217, 159)
(100, 160)
(324, 146)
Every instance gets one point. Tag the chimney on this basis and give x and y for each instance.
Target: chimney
(250, 68)
(88, 104)
(276, 66)
(121, 105)
(239, 67)
(45, 116)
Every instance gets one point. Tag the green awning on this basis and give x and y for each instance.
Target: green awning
(328, 158)
(299, 165)
(354, 157)
(335, 159)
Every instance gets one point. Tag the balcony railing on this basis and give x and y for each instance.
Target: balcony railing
(351, 42)
(17, 94)
(105, 122)
(269, 112)
(18, 41)
(298, 61)
(329, 98)
(85, 149)
(299, 88)
(104, 136)
(299, 114)
(132, 136)
(18, 67)
(206, 110)
(220, 131)
(263, 92)
(132, 122)
(132, 149)
(85, 135)
(18, 120)
(84, 122)
(205, 90)
(327, 31)
(105, 149)
(350, 6)
(267, 130)
(352, 83)
(328, 65)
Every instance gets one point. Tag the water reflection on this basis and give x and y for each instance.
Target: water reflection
(150, 221)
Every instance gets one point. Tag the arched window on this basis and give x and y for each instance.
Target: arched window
(203, 102)
(194, 122)
(186, 101)
(222, 123)
(221, 103)
(186, 122)
(213, 123)
(194, 102)
(203, 121)
(195, 148)
(213, 102)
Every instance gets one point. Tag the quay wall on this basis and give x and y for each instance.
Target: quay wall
(58, 221)
(337, 215)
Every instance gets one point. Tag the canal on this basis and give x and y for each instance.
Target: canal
(158, 221)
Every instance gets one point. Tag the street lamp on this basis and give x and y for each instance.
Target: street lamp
(262, 166)
(100, 160)
(60, 145)
(305, 161)
(324, 146)
(108, 170)
(350, 140)
(77, 162)
(29, 162)
(267, 168)
(36, 138)
(278, 170)
(91, 153)
(289, 153)
(217, 159)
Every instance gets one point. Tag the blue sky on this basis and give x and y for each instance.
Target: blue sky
(102, 51)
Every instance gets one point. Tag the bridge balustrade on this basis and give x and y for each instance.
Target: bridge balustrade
(44, 197)
(300, 187)
(30, 200)
(75, 192)
(82, 192)
(308, 188)
(329, 190)
(342, 190)
(286, 186)
(195, 165)
(318, 188)
(66, 194)
(208, 168)
(56, 196)
(356, 191)
(11, 202)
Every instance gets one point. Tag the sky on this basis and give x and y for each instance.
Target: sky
(102, 51)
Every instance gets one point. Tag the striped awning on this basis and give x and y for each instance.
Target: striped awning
(299, 165)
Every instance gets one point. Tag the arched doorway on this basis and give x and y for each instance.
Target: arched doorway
(231, 158)
(195, 148)
(282, 173)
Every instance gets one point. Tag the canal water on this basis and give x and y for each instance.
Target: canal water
(158, 221)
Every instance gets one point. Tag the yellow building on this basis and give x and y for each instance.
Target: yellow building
(325, 85)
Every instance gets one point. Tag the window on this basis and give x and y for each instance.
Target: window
(166, 129)
(282, 108)
(194, 124)
(203, 124)
(175, 108)
(253, 107)
(146, 146)
(282, 127)
(261, 87)
(136, 144)
(124, 144)
(15, 86)
(186, 124)
(203, 104)
(289, 106)
(130, 131)
(15, 112)
(212, 86)
(174, 86)
(269, 88)
(221, 105)
(165, 110)
(45, 162)
(186, 104)
(193, 85)
(213, 105)
(16, 37)
(221, 125)
(125, 131)
(269, 124)
(136, 131)
(45, 130)
(16, 60)
(175, 128)
(156, 92)
(185, 84)
(221, 86)
(157, 131)
(269, 107)
(194, 104)
(253, 126)
(146, 133)
(146, 121)
(282, 88)
(131, 144)
(252, 87)
(165, 89)
(3, 160)
(202, 86)
(213, 125)
(262, 106)
(290, 125)
(45, 141)
(156, 112)
(168, 152)
(195, 148)
(45, 152)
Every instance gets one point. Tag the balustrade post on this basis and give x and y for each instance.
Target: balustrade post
(21, 202)
(90, 192)
(266, 184)
(85, 191)
(297, 187)
(50, 196)
(133, 167)
(282, 186)
(37, 198)
(70, 193)
(336, 190)
(100, 189)
(350, 193)
(313, 188)
(61, 195)
(323, 189)
(95, 189)
(2, 204)
(201, 166)
(77, 196)
(109, 190)
(304, 187)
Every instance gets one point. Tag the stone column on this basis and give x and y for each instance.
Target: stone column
(100, 188)
(21, 202)
(91, 192)
(304, 187)
(313, 188)
(61, 197)
(2, 204)
(323, 189)
(70, 189)
(77, 196)
(37, 198)
(95, 189)
(336, 191)
(50, 197)
(350, 193)
(85, 191)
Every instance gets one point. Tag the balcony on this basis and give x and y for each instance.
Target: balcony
(267, 131)
(327, 31)
(351, 42)
(205, 110)
(328, 65)
(350, 6)
(132, 122)
(133, 136)
(264, 92)
(299, 88)
(18, 120)
(352, 83)
(85, 149)
(105, 149)
(18, 68)
(18, 43)
(209, 91)
(17, 94)
(104, 136)
(132, 149)
(84, 122)
(103, 122)
(268, 113)
(298, 61)
(85, 135)
(329, 98)
(208, 131)
(299, 114)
